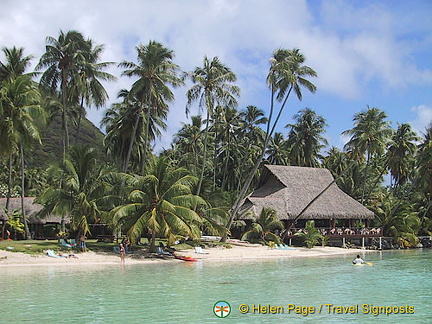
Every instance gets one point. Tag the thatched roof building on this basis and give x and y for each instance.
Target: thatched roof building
(31, 209)
(288, 189)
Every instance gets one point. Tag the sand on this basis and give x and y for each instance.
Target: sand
(237, 252)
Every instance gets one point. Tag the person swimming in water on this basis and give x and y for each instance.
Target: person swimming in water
(358, 260)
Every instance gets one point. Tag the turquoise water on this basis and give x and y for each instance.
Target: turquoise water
(183, 292)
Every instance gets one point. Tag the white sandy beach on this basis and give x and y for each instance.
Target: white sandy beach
(237, 252)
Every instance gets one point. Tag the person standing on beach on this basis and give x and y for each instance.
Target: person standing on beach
(122, 253)
(82, 243)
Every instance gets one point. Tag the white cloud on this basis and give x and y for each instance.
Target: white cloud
(348, 44)
(423, 118)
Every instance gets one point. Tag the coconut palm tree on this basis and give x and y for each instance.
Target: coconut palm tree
(87, 86)
(125, 124)
(264, 226)
(162, 202)
(369, 137)
(278, 150)
(15, 63)
(19, 107)
(156, 72)
(189, 144)
(287, 74)
(305, 140)
(62, 59)
(401, 153)
(213, 86)
(82, 190)
(424, 162)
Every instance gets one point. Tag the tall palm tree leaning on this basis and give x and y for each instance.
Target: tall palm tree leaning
(161, 202)
(212, 86)
(14, 66)
(287, 74)
(62, 58)
(369, 136)
(155, 71)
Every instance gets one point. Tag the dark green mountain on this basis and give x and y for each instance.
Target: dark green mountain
(51, 150)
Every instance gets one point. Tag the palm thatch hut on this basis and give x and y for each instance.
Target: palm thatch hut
(39, 227)
(289, 189)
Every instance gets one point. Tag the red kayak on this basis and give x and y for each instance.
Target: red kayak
(185, 258)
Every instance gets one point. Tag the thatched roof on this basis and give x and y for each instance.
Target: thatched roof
(31, 210)
(288, 189)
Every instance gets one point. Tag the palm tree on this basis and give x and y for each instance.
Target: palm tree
(369, 136)
(212, 87)
(287, 74)
(83, 189)
(253, 138)
(277, 151)
(87, 86)
(62, 59)
(15, 63)
(305, 139)
(401, 153)
(311, 234)
(161, 202)
(155, 71)
(189, 144)
(19, 106)
(263, 227)
(424, 162)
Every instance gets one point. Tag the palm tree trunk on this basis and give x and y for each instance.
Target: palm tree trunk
(152, 247)
(251, 175)
(64, 116)
(224, 176)
(26, 228)
(204, 155)
(79, 120)
(146, 140)
(364, 178)
(132, 139)
(9, 193)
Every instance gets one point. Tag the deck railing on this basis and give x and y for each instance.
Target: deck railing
(343, 232)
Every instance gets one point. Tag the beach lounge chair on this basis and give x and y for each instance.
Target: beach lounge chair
(52, 254)
(63, 243)
(199, 250)
(161, 251)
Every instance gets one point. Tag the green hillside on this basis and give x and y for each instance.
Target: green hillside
(52, 142)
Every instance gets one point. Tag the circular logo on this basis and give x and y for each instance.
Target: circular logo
(222, 309)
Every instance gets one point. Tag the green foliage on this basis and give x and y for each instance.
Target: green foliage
(161, 202)
(263, 227)
(311, 235)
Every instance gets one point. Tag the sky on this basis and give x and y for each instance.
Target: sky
(366, 53)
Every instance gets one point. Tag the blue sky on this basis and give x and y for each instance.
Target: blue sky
(375, 53)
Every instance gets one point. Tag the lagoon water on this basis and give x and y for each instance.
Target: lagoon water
(185, 292)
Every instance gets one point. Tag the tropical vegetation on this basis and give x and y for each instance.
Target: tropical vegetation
(197, 185)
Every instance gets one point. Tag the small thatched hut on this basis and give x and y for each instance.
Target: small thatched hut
(37, 225)
(288, 189)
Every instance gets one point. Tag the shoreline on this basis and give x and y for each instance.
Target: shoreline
(236, 253)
